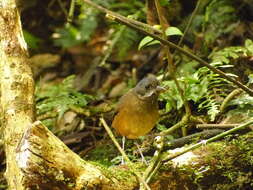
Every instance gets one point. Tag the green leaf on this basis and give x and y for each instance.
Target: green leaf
(147, 41)
(164, 2)
(171, 31)
(168, 107)
(31, 40)
(60, 97)
(191, 80)
(161, 127)
(250, 78)
(125, 38)
(71, 35)
(249, 45)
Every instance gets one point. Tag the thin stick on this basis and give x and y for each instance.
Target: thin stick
(153, 172)
(156, 160)
(123, 147)
(219, 136)
(119, 17)
(189, 23)
(108, 130)
(220, 126)
(170, 59)
(71, 11)
(63, 8)
(181, 123)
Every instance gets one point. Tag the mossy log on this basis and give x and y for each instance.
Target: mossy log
(223, 165)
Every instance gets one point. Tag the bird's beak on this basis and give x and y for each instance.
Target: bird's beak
(160, 89)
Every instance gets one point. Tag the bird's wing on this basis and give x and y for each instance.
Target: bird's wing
(122, 101)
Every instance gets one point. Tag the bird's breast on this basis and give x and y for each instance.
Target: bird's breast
(135, 118)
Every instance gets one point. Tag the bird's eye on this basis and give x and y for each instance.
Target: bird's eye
(148, 87)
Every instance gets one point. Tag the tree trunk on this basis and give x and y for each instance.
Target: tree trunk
(35, 157)
(17, 88)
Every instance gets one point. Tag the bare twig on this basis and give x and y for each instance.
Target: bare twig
(62, 8)
(181, 123)
(176, 143)
(220, 126)
(156, 160)
(219, 136)
(111, 46)
(189, 23)
(170, 59)
(117, 17)
(108, 130)
(71, 12)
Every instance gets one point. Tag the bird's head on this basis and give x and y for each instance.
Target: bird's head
(148, 87)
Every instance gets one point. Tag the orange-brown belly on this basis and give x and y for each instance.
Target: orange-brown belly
(134, 124)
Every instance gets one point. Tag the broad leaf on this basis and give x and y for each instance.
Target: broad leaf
(171, 31)
(147, 41)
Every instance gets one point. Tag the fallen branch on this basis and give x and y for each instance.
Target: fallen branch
(48, 163)
(172, 156)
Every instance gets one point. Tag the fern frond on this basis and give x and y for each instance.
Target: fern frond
(60, 97)
(205, 88)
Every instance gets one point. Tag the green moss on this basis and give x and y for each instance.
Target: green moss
(102, 154)
(107, 154)
(223, 165)
(231, 164)
(120, 175)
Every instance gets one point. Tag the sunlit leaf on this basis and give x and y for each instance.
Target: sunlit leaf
(147, 41)
(250, 78)
(171, 31)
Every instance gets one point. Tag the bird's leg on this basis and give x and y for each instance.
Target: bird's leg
(123, 147)
(143, 160)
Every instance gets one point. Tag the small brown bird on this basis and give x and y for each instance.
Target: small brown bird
(137, 111)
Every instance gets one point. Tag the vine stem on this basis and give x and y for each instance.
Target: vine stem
(71, 12)
(170, 59)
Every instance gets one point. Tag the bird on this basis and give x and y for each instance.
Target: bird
(137, 110)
